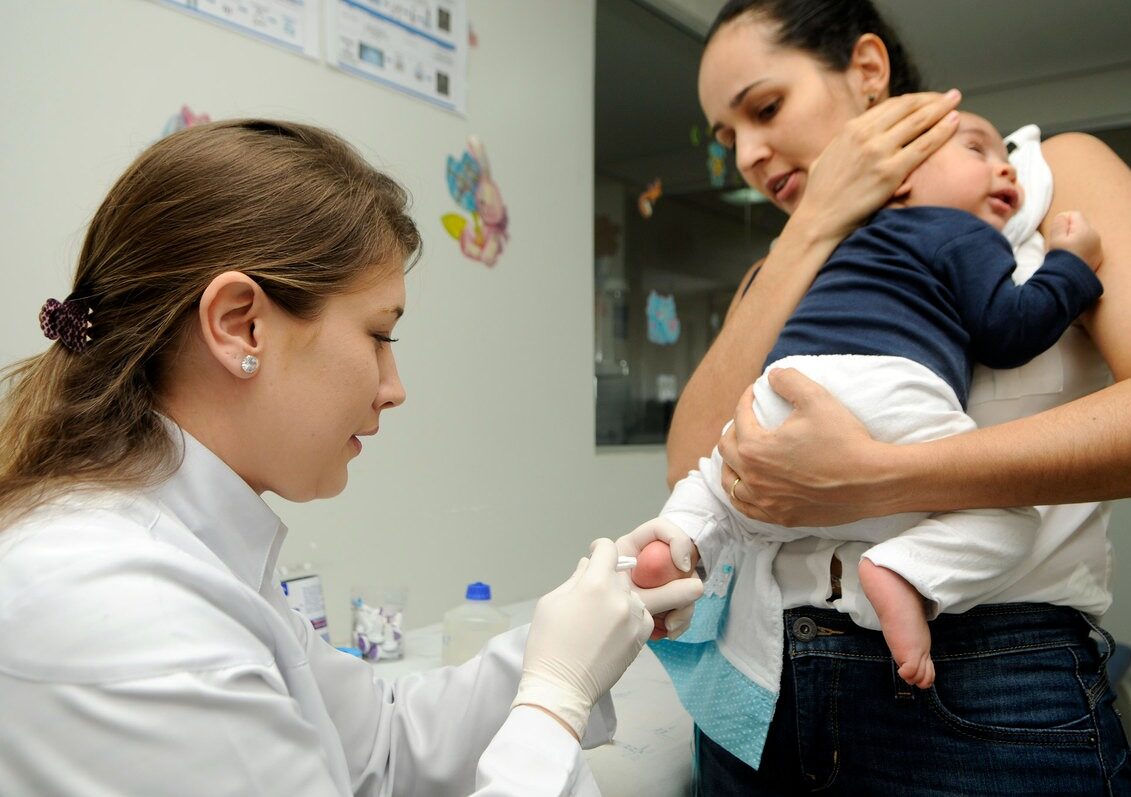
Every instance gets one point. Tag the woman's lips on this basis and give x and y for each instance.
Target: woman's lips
(355, 440)
(784, 186)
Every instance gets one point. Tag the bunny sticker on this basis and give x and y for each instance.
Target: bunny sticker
(471, 186)
(185, 118)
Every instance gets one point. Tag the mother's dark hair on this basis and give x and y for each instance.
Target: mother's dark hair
(827, 29)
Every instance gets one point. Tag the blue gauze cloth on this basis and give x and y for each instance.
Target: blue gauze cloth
(732, 710)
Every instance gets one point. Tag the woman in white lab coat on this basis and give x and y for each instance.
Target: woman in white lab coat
(229, 333)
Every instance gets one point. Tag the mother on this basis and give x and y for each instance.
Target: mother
(790, 85)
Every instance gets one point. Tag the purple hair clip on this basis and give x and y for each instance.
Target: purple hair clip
(67, 321)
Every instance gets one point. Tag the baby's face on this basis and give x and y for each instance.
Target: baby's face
(969, 172)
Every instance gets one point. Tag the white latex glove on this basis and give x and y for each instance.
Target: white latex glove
(583, 637)
(678, 595)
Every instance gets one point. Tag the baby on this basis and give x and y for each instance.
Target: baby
(892, 326)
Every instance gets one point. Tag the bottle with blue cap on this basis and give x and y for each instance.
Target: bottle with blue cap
(468, 626)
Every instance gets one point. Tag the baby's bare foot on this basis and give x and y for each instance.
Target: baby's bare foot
(903, 621)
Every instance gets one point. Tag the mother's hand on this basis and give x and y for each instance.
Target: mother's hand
(867, 162)
(819, 468)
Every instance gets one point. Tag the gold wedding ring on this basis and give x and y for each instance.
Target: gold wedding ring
(736, 481)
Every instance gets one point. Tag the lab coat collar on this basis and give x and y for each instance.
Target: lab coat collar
(223, 512)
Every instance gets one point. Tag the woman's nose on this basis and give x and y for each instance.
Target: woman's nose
(750, 149)
(391, 392)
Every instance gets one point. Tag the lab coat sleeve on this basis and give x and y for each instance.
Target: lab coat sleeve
(130, 674)
(533, 754)
(450, 731)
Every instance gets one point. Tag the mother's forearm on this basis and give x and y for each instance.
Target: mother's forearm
(1080, 451)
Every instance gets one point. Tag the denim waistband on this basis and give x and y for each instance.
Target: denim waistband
(984, 630)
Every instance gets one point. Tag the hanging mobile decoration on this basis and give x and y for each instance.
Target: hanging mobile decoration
(663, 322)
(716, 164)
(716, 155)
(648, 197)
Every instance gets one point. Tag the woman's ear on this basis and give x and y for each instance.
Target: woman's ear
(230, 308)
(869, 69)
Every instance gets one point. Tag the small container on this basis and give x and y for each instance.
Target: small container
(378, 631)
(468, 627)
(304, 595)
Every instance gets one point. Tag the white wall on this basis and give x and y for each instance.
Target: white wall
(489, 471)
(1092, 101)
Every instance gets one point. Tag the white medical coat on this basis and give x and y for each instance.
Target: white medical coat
(145, 648)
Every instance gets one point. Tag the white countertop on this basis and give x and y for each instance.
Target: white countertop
(651, 753)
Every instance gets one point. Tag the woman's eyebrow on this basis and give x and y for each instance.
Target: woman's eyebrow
(735, 101)
(740, 95)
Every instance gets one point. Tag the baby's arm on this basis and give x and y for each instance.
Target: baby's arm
(1009, 324)
(1071, 231)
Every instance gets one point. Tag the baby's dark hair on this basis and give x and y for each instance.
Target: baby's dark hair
(828, 29)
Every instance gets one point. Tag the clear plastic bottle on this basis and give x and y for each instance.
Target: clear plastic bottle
(468, 626)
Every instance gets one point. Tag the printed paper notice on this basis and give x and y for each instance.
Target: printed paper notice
(416, 46)
(292, 24)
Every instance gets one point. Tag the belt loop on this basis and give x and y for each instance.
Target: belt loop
(1102, 684)
(835, 570)
(903, 690)
(1109, 640)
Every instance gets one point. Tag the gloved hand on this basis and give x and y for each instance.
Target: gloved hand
(583, 637)
(678, 595)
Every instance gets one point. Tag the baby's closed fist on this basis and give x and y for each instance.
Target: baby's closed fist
(1071, 231)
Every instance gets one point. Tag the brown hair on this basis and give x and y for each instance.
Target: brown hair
(292, 206)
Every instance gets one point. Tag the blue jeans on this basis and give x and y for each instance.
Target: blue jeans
(1021, 705)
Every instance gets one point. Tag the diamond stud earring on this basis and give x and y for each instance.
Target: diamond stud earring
(250, 364)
